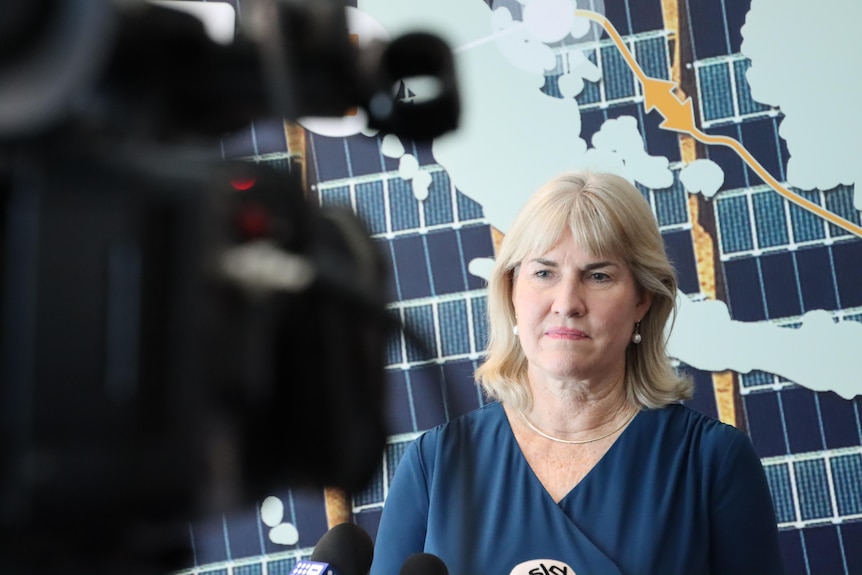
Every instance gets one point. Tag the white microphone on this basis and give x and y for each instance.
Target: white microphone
(346, 549)
(542, 567)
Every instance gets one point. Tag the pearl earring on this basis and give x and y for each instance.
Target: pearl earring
(636, 337)
(515, 329)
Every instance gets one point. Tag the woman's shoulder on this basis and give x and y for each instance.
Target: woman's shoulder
(695, 426)
(477, 420)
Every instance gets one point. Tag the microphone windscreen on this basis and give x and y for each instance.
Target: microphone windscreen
(423, 564)
(347, 548)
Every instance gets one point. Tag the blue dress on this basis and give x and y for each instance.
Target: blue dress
(678, 493)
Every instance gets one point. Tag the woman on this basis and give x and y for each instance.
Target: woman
(586, 461)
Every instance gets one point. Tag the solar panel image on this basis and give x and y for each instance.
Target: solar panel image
(763, 253)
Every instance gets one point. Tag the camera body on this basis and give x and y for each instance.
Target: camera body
(181, 333)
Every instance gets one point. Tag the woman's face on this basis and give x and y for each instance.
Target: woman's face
(575, 313)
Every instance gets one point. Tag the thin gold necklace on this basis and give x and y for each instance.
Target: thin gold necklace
(570, 441)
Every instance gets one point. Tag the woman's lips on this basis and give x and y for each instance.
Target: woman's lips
(565, 333)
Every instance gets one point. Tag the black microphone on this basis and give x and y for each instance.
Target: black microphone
(423, 564)
(346, 549)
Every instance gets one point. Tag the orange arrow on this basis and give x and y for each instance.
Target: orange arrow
(679, 116)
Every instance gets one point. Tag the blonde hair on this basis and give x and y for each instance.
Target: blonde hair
(607, 216)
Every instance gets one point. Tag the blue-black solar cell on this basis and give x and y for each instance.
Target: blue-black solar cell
(734, 219)
(388, 251)
(423, 151)
(591, 122)
(824, 554)
(339, 196)
(736, 11)
(426, 386)
(270, 137)
(659, 141)
(438, 204)
(403, 206)
(420, 340)
(760, 135)
(709, 34)
(704, 392)
(815, 279)
(671, 204)
(476, 242)
(330, 158)
(848, 272)
(627, 109)
(390, 164)
(846, 470)
(591, 94)
(209, 542)
(680, 250)
(399, 410)
(747, 105)
(616, 11)
(645, 16)
(770, 220)
(364, 155)
(551, 87)
(310, 517)
(454, 330)
(369, 520)
(239, 144)
(814, 500)
(839, 421)
(716, 92)
(839, 201)
(763, 416)
(778, 478)
(394, 354)
(480, 322)
(468, 208)
(618, 79)
(729, 161)
(462, 395)
(371, 206)
(652, 56)
(745, 303)
(447, 266)
(851, 533)
(780, 285)
(412, 267)
(243, 533)
(803, 422)
(807, 226)
(792, 552)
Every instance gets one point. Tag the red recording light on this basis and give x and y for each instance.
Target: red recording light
(242, 184)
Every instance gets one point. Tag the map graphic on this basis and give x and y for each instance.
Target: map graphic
(739, 121)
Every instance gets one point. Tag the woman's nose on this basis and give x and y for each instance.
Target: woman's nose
(569, 299)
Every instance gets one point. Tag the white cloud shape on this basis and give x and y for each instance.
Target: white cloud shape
(702, 176)
(820, 355)
(549, 20)
(802, 63)
(621, 136)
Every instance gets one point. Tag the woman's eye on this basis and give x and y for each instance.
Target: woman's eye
(542, 274)
(600, 277)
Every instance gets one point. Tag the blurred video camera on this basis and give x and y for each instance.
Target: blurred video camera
(180, 332)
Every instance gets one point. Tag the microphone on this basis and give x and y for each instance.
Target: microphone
(542, 567)
(346, 549)
(423, 564)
